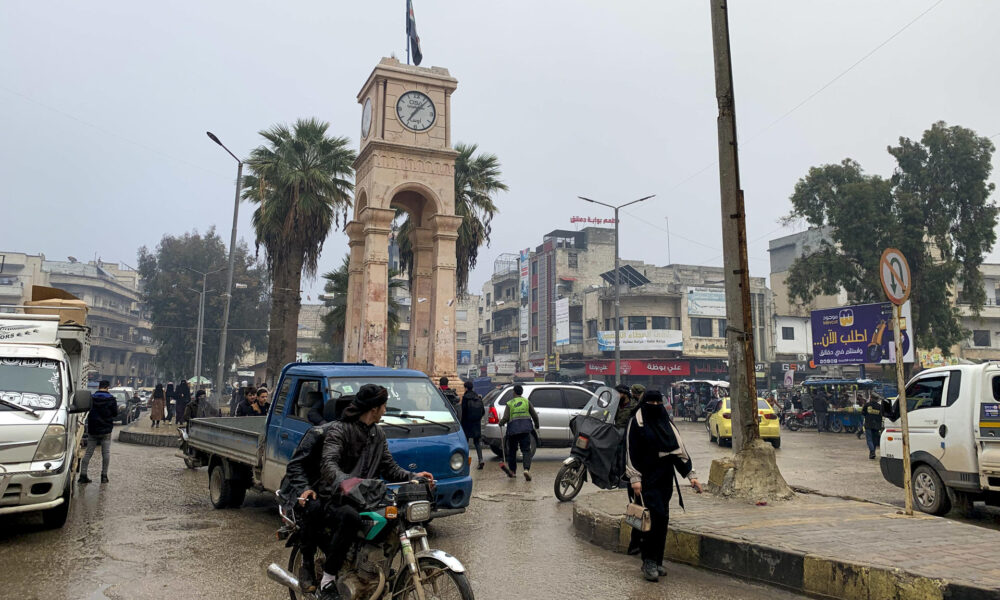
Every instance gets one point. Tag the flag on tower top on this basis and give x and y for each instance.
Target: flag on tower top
(412, 39)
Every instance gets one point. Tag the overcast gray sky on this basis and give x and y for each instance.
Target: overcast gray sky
(104, 106)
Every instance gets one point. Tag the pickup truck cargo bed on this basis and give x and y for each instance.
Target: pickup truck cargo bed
(236, 438)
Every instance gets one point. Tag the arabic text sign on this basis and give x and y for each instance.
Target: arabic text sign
(641, 339)
(852, 335)
(680, 368)
(706, 301)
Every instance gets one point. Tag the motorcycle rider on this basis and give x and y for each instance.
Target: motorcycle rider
(302, 479)
(353, 447)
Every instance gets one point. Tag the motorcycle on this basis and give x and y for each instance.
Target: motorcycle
(391, 558)
(800, 420)
(595, 449)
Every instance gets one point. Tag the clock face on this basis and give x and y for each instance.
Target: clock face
(416, 111)
(366, 118)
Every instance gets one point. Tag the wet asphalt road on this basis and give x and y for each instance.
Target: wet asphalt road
(151, 533)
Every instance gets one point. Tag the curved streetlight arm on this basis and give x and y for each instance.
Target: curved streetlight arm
(215, 139)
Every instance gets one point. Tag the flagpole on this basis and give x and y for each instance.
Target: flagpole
(407, 32)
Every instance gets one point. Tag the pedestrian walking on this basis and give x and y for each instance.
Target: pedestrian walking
(822, 407)
(873, 423)
(450, 394)
(472, 414)
(171, 395)
(158, 407)
(521, 421)
(183, 397)
(100, 424)
(655, 453)
(199, 407)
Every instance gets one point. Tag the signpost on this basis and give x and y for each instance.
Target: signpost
(895, 275)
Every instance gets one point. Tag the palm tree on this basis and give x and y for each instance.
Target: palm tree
(300, 182)
(335, 321)
(477, 181)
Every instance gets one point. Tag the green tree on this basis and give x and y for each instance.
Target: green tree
(173, 306)
(335, 321)
(935, 208)
(477, 182)
(300, 182)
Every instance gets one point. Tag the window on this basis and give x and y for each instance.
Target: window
(546, 398)
(637, 322)
(981, 338)
(661, 322)
(788, 333)
(722, 328)
(534, 294)
(925, 393)
(571, 258)
(303, 401)
(487, 298)
(534, 344)
(462, 315)
(534, 319)
(487, 325)
(701, 327)
(534, 267)
(480, 332)
(461, 337)
(592, 328)
(576, 399)
(282, 395)
(954, 384)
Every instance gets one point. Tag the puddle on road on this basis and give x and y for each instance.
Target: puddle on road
(99, 593)
(182, 526)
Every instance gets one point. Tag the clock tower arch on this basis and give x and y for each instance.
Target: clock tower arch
(405, 163)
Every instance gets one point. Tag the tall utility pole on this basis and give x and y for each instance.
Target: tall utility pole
(201, 321)
(739, 318)
(618, 286)
(220, 372)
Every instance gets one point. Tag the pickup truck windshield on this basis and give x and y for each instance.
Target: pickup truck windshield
(409, 395)
(30, 382)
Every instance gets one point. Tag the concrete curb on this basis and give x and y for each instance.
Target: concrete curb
(148, 439)
(788, 569)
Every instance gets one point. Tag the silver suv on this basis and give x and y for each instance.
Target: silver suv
(555, 403)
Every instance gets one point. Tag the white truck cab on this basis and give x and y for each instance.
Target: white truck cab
(954, 422)
(41, 413)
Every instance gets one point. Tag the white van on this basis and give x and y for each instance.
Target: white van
(954, 421)
(41, 413)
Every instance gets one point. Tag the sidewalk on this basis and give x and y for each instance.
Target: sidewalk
(818, 545)
(141, 432)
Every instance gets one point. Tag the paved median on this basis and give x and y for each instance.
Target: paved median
(140, 432)
(818, 545)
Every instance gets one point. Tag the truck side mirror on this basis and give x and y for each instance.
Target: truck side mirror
(80, 402)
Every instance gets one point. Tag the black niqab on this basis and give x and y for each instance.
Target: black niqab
(656, 423)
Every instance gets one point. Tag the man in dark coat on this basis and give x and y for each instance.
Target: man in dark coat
(100, 424)
(822, 408)
(450, 394)
(199, 408)
(353, 448)
(472, 414)
(873, 423)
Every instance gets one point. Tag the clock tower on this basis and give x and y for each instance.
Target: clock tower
(405, 163)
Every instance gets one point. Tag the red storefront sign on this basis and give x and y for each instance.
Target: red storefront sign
(632, 366)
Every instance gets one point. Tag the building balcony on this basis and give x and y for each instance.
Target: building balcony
(509, 332)
(508, 306)
(102, 312)
(12, 292)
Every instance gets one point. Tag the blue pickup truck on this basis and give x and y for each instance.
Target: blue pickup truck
(251, 452)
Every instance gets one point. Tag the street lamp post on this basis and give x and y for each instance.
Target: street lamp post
(618, 293)
(199, 337)
(229, 275)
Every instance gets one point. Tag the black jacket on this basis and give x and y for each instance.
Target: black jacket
(103, 410)
(198, 409)
(303, 471)
(472, 413)
(245, 410)
(820, 404)
(353, 449)
(873, 414)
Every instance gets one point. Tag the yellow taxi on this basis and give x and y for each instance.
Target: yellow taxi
(720, 423)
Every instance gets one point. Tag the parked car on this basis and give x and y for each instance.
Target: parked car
(126, 408)
(720, 422)
(555, 403)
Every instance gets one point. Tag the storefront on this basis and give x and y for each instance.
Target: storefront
(657, 373)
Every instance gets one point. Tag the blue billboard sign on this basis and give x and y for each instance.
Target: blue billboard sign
(862, 334)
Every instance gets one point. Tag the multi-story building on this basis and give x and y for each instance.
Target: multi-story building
(983, 342)
(122, 349)
(309, 334)
(18, 272)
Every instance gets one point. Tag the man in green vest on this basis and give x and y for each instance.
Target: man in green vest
(521, 421)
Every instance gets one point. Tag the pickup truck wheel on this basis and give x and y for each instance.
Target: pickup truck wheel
(237, 495)
(220, 489)
(928, 491)
(54, 518)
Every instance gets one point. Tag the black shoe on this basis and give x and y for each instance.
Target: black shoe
(307, 578)
(661, 571)
(506, 470)
(83, 479)
(871, 456)
(649, 571)
(330, 592)
(104, 479)
(481, 465)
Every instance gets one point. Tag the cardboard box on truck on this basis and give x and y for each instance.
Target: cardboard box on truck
(53, 301)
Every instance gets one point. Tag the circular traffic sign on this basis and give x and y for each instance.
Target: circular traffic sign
(894, 272)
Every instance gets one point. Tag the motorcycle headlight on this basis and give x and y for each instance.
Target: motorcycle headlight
(457, 461)
(418, 512)
(52, 446)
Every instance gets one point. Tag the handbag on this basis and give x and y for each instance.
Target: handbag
(637, 515)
